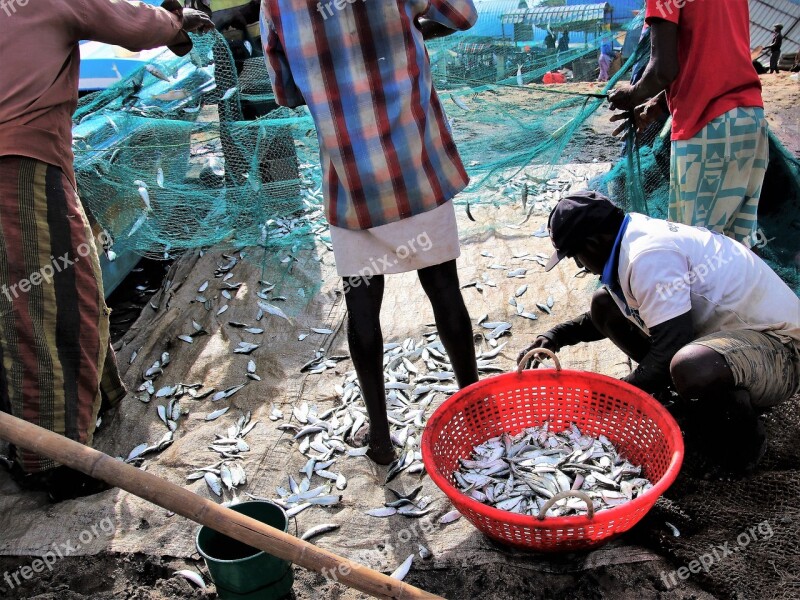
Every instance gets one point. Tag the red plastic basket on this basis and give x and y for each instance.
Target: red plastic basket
(641, 429)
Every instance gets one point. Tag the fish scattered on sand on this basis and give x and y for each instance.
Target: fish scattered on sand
(459, 103)
(192, 576)
(450, 517)
(319, 530)
(401, 571)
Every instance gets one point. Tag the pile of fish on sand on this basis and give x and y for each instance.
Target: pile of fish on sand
(415, 373)
(520, 473)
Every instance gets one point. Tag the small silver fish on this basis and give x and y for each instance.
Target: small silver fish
(384, 511)
(158, 73)
(459, 103)
(214, 483)
(319, 530)
(450, 517)
(401, 571)
(272, 310)
(217, 413)
(192, 576)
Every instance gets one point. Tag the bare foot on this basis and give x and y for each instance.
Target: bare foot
(378, 453)
(382, 456)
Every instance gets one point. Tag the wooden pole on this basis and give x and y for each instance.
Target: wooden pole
(200, 510)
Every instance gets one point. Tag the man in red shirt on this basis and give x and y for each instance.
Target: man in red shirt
(719, 134)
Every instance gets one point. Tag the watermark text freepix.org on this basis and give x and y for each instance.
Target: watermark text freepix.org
(384, 550)
(58, 551)
(326, 8)
(711, 263)
(717, 553)
(9, 7)
(46, 273)
(421, 243)
(670, 7)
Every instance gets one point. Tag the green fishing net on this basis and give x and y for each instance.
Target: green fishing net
(193, 152)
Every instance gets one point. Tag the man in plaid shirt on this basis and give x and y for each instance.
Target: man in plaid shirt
(390, 166)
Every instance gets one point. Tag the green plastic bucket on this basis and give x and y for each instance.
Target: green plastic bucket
(242, 572)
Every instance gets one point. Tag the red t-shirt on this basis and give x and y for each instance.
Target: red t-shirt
(716, 72)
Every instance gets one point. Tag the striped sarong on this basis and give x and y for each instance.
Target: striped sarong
(716, 176)
(54, 326)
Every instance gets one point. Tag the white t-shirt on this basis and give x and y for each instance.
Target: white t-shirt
(667, 269)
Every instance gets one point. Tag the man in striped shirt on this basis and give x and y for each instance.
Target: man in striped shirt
(390, 166)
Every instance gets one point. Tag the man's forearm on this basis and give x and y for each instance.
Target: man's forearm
(650, 86)
(135, 27)
(663, 67)
(580, 329)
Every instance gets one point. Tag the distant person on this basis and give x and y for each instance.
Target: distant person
(563, 42)
(775, 48)
(550, 40)
(57, 364)
(605, 60)
(720, 145)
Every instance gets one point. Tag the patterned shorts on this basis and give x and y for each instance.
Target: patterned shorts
(716, 176)
(761, 364)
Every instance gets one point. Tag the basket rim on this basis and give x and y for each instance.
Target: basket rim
(644, 502)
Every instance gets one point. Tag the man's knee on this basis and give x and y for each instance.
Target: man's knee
(440, 282)
(698, 370)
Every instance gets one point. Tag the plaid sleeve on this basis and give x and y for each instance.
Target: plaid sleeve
(455, 14)
(280, 73)
(669, 10)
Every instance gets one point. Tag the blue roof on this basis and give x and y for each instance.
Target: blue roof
(489, 13)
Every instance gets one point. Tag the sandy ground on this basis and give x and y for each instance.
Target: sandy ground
(138, 577)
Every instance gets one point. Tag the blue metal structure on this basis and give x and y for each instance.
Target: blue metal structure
(103, 65)
(623, 9)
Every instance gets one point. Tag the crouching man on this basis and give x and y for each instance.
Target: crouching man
(695, 309)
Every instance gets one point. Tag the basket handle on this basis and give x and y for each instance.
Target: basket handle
(534, 352)
(568, 494)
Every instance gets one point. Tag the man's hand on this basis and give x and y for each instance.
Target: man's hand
(195, 21)
(642, 116)
(627, 118)
(621, 97)
(648, 113)
(540, 342)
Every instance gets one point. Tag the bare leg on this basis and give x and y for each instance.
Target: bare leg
(610, 321)
(364, 298)
(440, 283)
(727, 424)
